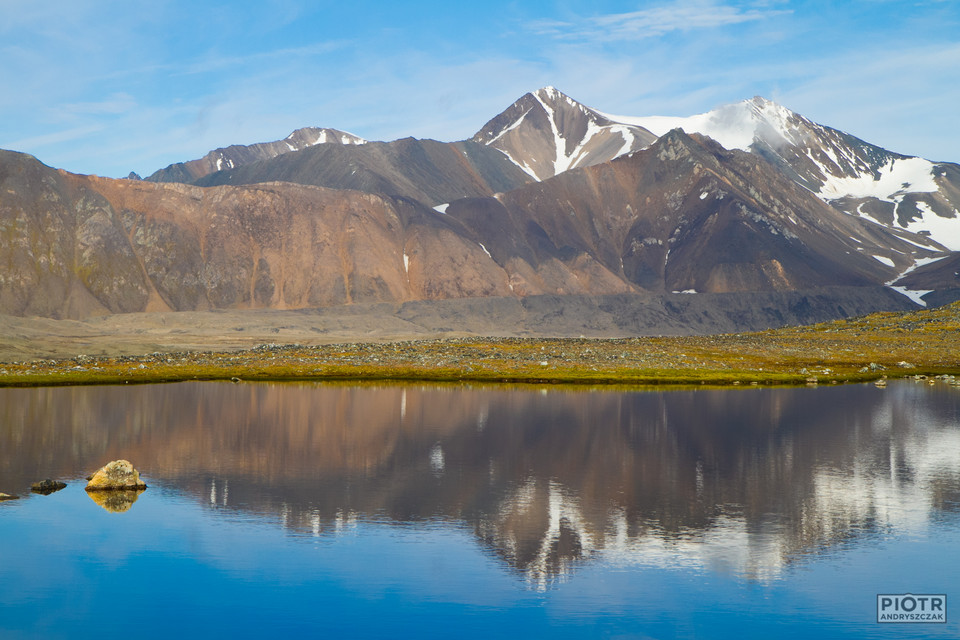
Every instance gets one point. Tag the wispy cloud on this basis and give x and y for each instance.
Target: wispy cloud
(652, 22)
(114, 105)
(901, 99)
(106, 86)
(219, 63)
(52, 138)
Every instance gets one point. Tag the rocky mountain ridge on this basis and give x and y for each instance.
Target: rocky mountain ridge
(597, 206)
(546, 133)
(238, 155)
(854, 176)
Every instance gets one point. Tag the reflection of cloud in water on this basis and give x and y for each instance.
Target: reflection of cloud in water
(727, 547)
(899, 496)
(568, 538)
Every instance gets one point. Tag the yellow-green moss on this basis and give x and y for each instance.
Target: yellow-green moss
(880, 345)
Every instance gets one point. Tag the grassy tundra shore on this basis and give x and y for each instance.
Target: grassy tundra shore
(925, 342)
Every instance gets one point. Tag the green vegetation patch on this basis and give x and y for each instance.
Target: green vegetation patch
(880, 345)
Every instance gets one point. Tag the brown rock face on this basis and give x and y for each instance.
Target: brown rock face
(684, 215)
(64, 250)
(78, 246)
(116, 475)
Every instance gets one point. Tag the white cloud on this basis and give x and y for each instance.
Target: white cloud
(902, 99)
(212, 64)
(683, 15)
(52, 138)
(108, 79)
(116, 104)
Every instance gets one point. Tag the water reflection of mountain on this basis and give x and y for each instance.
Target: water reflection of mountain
(744, 480)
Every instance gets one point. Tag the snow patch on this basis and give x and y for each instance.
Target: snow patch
(485, 250)
(915, 295)
(735, 126)
(884, 260)
(628, 135)
(441, 208)
(511, 127)
(916, 265)
(901, 176)
(558, 141)
(406, 263)
(686, 291)
(946, 231)
(704, 195)
(523, 165)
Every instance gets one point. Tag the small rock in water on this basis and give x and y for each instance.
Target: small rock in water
(48, 486)
(118, 474)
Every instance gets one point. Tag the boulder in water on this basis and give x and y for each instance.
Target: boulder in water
(48, 486)
(115, 475)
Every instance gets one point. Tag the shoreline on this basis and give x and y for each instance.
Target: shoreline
(884, 345)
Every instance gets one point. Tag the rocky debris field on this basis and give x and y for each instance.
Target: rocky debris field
(922, 343)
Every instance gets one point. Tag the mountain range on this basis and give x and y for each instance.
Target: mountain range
(550, 201)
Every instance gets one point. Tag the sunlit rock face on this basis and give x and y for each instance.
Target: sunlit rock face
(549, 198)
(683, 215)
(116, 475)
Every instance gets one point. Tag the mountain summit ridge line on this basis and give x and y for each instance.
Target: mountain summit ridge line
(549, 198)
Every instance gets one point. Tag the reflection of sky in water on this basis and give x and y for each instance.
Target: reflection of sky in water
(778, 512)
(184, 569)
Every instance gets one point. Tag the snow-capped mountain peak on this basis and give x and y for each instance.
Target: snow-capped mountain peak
(547, 132)
(852, 175)
(310, 136)
(735, 126)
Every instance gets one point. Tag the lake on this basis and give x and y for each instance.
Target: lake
(433, 511)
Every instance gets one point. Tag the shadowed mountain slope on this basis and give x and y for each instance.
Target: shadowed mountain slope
(425, 170)
(239, 155)
(684, 215)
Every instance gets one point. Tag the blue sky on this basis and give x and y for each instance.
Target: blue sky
(110, 86)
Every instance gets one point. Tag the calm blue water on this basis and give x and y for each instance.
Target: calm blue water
(439, 511)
